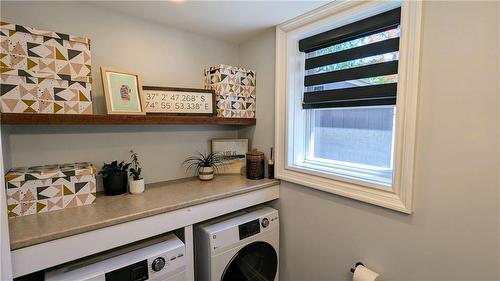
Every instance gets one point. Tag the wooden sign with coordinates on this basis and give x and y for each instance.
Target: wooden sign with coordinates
(179, 101)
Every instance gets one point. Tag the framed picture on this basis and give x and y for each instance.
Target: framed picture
(234, 151)
(122, 91)
(179, 101)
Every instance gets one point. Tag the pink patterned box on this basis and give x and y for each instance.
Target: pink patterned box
(39, 189)
(44, 71)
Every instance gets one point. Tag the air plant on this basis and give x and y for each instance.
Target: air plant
(136, 168)
(195, 162)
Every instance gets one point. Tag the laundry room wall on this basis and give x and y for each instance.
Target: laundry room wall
(454, 232)
(161, 55)
(258, 55)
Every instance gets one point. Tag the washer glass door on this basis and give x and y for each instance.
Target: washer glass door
(254, 262)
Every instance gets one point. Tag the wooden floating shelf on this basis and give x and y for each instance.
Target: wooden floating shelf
(78, 119)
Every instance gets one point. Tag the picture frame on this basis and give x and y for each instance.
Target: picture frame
(179, 101)
(122, 92)
(235, 150)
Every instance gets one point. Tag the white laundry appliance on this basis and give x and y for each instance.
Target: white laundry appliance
(240, 247)
(164, 261)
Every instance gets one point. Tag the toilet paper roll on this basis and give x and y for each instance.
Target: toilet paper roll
(362, 273)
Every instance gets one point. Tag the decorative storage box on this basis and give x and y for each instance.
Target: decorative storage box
(234, 88)
(48, 188)
(44, 71)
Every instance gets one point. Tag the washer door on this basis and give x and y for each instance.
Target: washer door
(254, 262)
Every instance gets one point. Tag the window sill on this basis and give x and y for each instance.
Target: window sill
(358, 174)
(366, 192)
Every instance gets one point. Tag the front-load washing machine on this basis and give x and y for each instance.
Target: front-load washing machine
(239, 248)
(163, 261)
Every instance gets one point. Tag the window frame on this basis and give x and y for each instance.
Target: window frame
(291, 122)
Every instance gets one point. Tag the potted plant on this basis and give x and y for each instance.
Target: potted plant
(114, 177)
(137, 182)
(204, 165)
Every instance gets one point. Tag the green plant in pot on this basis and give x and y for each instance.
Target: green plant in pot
(136, 185)
(204, 165)
(115, 177)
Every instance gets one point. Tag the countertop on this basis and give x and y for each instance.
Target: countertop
(111, 210)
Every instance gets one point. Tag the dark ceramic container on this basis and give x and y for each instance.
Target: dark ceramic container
(115, 184)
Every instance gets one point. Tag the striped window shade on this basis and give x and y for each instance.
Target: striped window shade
(353, 65)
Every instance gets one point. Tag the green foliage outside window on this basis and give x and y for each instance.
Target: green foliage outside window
(393, 33)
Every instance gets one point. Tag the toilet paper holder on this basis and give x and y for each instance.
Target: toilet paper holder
(356, 265)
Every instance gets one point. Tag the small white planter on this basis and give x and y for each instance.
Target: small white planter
(206, 173)
(136, 187)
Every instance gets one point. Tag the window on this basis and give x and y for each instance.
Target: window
(350, 82)
(354, 143)
(346, 94)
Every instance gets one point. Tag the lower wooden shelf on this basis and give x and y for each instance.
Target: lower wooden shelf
(78, 119)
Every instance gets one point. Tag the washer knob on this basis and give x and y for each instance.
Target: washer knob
(158, 264)
(265, 222)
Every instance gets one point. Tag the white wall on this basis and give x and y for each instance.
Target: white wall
(258, 55)
(454, 233)
(163, 56)
(161, 148)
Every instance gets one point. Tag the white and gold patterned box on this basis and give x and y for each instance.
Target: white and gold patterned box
(44, 71)
(48, 188)
(234, 88)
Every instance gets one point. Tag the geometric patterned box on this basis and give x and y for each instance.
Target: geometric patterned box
(48, 188)
(234, 88)
(44, 71)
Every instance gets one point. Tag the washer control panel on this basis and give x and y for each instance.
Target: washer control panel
(166, 262)
(248, 229)
(244, 226)
(257, 225)
(265, 222)
(158, 264)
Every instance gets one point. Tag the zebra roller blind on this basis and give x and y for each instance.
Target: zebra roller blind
(353, 65)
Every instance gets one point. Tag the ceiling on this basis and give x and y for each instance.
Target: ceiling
(232, 21)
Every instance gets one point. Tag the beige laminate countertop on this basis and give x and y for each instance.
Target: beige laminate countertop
(110, 210)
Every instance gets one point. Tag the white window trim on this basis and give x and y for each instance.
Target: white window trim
(289, 87)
